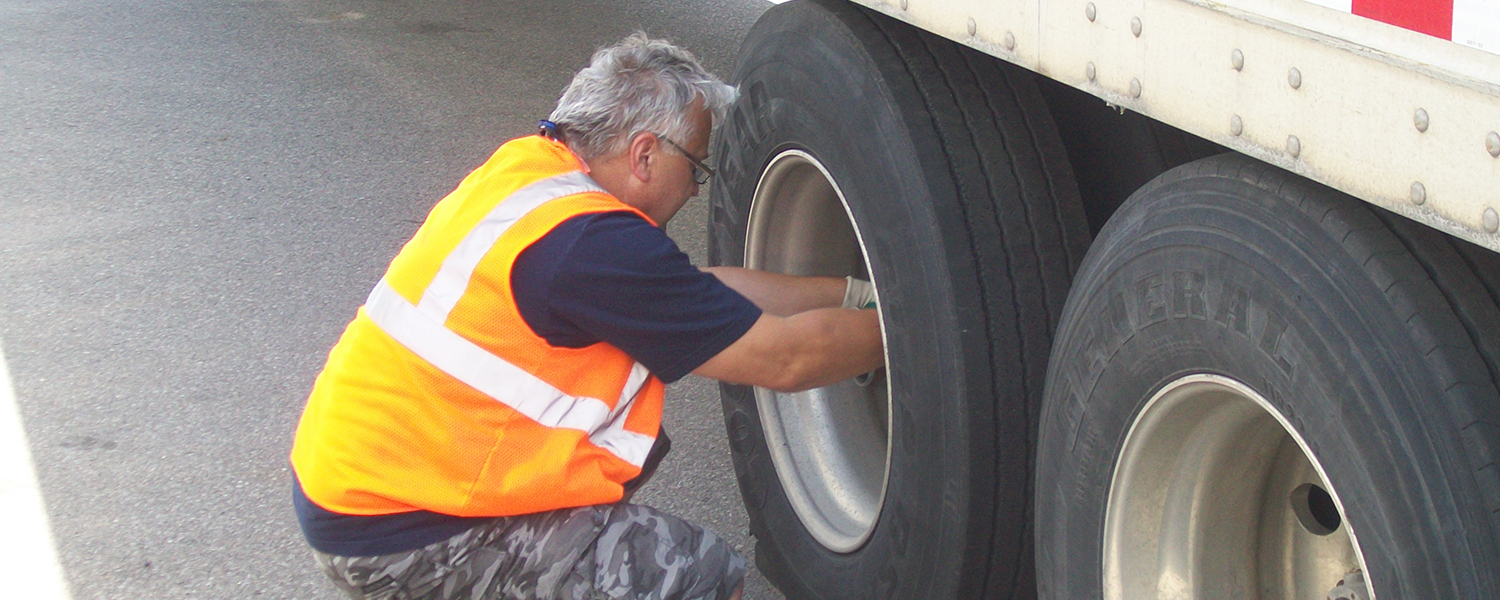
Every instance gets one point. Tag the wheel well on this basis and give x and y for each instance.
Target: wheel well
(1114, 152)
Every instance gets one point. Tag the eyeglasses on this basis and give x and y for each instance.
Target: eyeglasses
(701, 172)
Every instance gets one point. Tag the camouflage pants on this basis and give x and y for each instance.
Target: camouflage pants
(588, 553)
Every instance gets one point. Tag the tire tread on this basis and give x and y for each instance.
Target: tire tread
(1458, 310)
(1010, 233)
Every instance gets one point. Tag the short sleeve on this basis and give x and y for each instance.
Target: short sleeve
(616, 278)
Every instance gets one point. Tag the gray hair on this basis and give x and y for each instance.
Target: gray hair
(635, 86)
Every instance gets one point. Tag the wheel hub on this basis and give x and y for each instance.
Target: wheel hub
(830, 445)
(1215, 495)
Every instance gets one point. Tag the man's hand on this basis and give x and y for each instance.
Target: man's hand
(801, 341)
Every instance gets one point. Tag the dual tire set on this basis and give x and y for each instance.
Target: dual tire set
(1246, 385)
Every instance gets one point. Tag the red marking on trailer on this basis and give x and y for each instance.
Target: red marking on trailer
(1474, 23)
(1432, 17)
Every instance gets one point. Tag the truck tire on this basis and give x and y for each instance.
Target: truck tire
(863, 147)
(1263, 388)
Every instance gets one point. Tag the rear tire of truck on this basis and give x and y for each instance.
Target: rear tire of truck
(1263, 388)
(863, 147)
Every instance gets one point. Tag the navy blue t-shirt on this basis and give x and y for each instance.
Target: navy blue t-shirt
(603, 277)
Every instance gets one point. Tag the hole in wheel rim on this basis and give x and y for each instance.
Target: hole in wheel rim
(831, 445)
(1198, 503)
(1315, 509)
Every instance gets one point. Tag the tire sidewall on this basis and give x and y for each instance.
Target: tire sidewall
(1319, 344)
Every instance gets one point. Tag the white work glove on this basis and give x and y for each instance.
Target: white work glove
(858, 293)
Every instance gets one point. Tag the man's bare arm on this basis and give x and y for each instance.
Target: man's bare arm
(806, 350)
(782, 295)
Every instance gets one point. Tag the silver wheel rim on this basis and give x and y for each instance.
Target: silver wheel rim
(831, 445)
(1216, 495)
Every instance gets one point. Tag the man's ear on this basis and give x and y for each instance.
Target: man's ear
(642, 152)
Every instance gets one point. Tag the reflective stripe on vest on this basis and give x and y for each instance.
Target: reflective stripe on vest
(422, 329)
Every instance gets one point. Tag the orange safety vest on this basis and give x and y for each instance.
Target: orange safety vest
(439, 397)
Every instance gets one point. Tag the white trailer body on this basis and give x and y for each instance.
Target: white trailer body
(1397, 117)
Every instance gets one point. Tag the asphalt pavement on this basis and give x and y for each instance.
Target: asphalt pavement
(194, 199)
